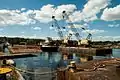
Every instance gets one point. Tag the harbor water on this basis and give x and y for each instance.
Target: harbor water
(50, 61)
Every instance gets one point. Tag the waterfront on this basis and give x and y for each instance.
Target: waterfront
(50, 61)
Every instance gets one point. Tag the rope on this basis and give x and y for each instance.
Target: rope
(43, 73)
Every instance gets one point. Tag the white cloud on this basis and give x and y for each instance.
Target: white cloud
(90, 10)
(68, 8)
(111, 14)
(113, 25)
(71, 32)
(94, 31)
(24, 36)
(106, 38)
(79, 26)
(12, 17)
(86, 25)
(44, 14)
(51, 28)
(36, 28)
(94, 6)
(23, 9)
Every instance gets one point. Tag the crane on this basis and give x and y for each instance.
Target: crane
(58, 28)
(64, 39)
(88, 38)
(60, 31)
(72, 27)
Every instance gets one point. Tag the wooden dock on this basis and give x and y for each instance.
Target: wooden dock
(20, 51)
(24, 49)
(108, 69)
(17, 55)
(88, 51)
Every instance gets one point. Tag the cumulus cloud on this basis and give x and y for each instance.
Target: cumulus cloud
(23, 9)
(113, 25)
(90, 10)
(68, 8)
(106, 38)
(36, 28)
(94, 31)
(111, 14)
(12, 17)
(85, 25)
(51, 28)
(44, 14)
(25, 17)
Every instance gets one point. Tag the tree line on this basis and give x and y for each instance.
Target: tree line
(29, 41)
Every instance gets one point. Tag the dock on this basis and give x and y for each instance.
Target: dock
(107, 69)
(13, 56)
(88, 51)
(24, 49)
(20, 51)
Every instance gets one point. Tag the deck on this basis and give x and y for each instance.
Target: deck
(20, 51)
(87, 51)
(108, 69)
(24, 49)
(17, 55)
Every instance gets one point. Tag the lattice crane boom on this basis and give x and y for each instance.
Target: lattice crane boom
(89, 37)
(58, 28)
(72, 27)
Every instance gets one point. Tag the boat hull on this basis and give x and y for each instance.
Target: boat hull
(50, 48)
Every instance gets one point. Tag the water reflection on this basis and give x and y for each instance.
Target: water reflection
(85, 58)
(48, 61)
(44, 62)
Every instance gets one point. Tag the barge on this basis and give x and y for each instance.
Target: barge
(49, 48)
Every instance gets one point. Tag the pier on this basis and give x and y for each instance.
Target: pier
(20, 51)
(24, 49)
(87, 51)
(13, 56)
(108, 69)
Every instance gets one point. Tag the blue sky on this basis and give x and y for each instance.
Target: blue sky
(99, 17)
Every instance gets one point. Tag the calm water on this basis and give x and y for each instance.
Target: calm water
(46, 61)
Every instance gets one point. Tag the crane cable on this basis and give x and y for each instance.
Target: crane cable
(43, 73)
(30, 72)
(66, 16)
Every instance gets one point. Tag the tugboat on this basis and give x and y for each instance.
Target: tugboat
(49, 46)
